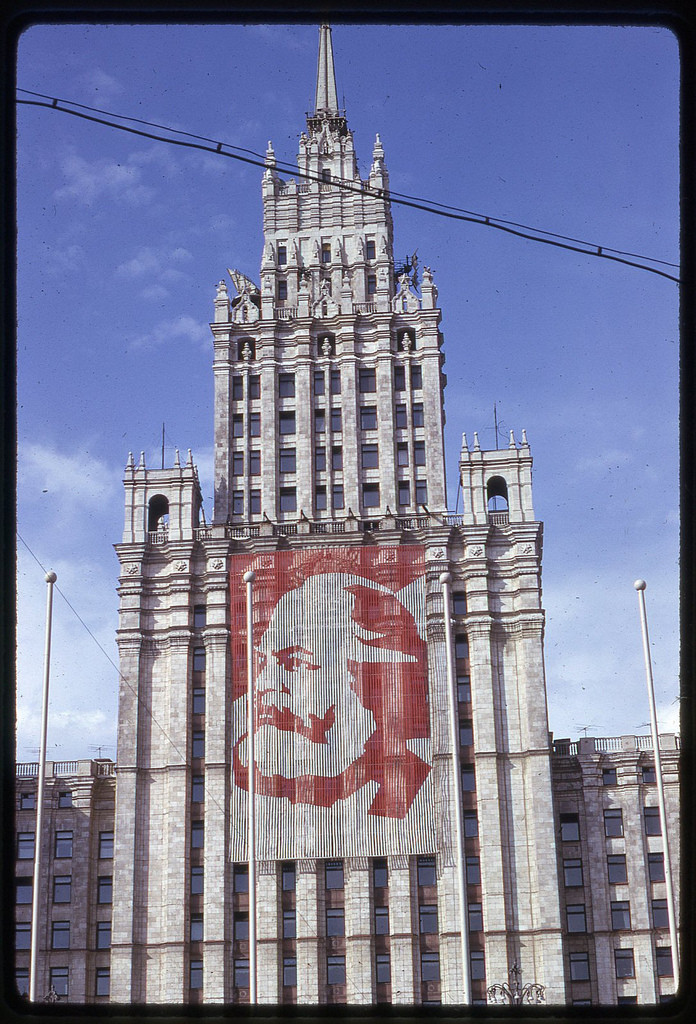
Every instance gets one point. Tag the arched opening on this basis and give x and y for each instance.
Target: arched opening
(157, 513)
(326, 342)
(497, 494)
(246, 349)
(406, 340)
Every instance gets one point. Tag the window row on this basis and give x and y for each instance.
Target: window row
(370, 495)
(617, 871)
(59, 981)
(367, 419)
(647, 775)
(60, 935)
(62, 844)
(426, 871)
(576, 918)
(27, 801)
(613, 824)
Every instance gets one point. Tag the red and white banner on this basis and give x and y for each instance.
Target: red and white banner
(342, 740)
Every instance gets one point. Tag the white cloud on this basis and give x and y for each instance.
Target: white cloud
(56, 261)
(155, 263)
(167, 331)
(602, 462)
(69, 479)
(98, 81)
(87, 181)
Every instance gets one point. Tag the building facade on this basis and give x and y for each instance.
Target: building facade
(411, 812)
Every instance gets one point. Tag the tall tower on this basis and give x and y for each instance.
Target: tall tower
(405, 847)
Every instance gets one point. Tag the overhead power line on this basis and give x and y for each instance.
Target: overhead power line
(249, 156)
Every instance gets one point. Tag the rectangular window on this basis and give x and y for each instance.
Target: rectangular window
(320, 498)
(197, 835)
(198, 744)
(459, 602)
(427, 919)
(104, 889)
(59, 980)
(282, 255)
(572, 872)
(238, 425)
(652, 821)
(335, 382)
(336, 421)
(287, 460)
(623, 960)
(475, 917)
(370, 249)
(25, 846)
(399, 378)
(288, 877)
(464, 689)
(371, 495)
(473, 871)
(282, 290)
(196, 975)
(196, 929)
(468, 778)
(335, 921)
(402, 454)
(659, 914)
(575, 917)
(319, 460)
(337, 458)
(570, 828)
(579, 967)
(381, 920)
(60, 935)
(336, 970)
(288, 499)
(371, 284)
(290, 971)
(22, 935)
(319, 421)
(198, 700)
(286, 385)
(421, 492)
(368, 417)
(418, 420)
(238, 464)
(237, 388)
(367, 380)
(616, 869)
(338, 500)
(241, 878)
(63, 844)
(65, 798)
(478, 965)
(197, 789)
(620, 915)
(255, 463)
(22, 980)
(404, 497)
(23, 890)
(199, 616)
(286, 423)
(466, 733)
(382, 968)
(470, 822)
(325, 253)
(419, 453)
(334, 874)
(196, 880)
(609, 776)
(430, 966)
(416, 377)
(255, 502)
(237, 503)
(380, 875)
(648, 774)
(319, 382)
(370, 456)
(103, 934)
(27, 801)
(426, 871)
(289, 924)
(106, 845)
(241, 971)
(400, 417)
(663, 957)
(613, 822)
(241, 926)
(199, 659)
(656, 867)
(255, 424)
(254, 386)
(461, 647)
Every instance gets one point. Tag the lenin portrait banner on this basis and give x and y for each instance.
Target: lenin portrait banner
(342, 738)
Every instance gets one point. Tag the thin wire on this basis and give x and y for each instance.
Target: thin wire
(402, 199)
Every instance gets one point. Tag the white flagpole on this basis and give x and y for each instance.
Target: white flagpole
(445, 580)
(640, 586)
(249, 578)
(36, 902)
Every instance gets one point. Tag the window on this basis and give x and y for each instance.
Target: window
(23, 890)
(58, 979)
(475, 917)
(381, 920)
(334, 874)
(199, 616)
(319, 460)
(382, 968)
(371, 284)
(335, 382)
(380, 877)
(198, 701)
(338, 501)
(25, 846)
(325, 253)
(241, 971)
(287, 460)
(104, 889)
(336, 970)
(282, 290)
(620, 914)
(656, 867)
(579, 967)
(430, 966)
(404, 492)
(337, 458)
(65, 798)
(289, 971)
(335, 921)
(367, 380)
(197, 789)
(402, 454)
(319, 382)
(400, 418)
(282, 255)
(319, 421)
(652, 821)
(237, 503)
(320, 498)
(286, 423)
(197, 835)
(461, 647)
(466, 733)
(371, 495)
(63, 844)
(477, 959)
(106, 845)
(470, 822)
(464, 689)
(238, 464)
(241, 878)
(570, 828)
(459, 602)
(648, 774)
(370, 249)
(196, 930)
(22, 980)
(609, 776)
(198, 743)
(286, 385)
(572, 872)
(427, 919)
(196, 880)
(623, 960)
(663, 957)
(103, 934)
(659, 913)
(254, 502)
(199, 659)
(27, 801)
(613, 822)
(61, 888)
(473, 871)
(22, 935)
(416, 377)
(426, 871)
(289, 924)
(238, 425)
(241, 926)
(421, 492)
(468, 778)
(399, 378)
(370, 456)
(368, 417)
(237, 389)
(196, 975)
(288, 877)
(575, 917)
(255, 463)
(255, 424)
(254, 386)
(336, 421)
(418, 420)
(419, 453)
(616, 868)
(60, 935)
(288, 499)
(627, 1000)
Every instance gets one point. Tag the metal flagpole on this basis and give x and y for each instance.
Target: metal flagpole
(36, 902)
(249, 578)
(445, 580)
(640, 586)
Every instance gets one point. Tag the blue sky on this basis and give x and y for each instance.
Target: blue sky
(122, 240)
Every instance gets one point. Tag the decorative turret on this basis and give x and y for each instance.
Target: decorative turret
(497, 484)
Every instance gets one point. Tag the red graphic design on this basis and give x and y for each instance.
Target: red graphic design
(340, 675)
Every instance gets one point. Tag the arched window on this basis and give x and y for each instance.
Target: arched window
(497, 494)
(157, 513)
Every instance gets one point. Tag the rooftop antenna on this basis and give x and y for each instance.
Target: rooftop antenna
(495, 420)
(163, 446)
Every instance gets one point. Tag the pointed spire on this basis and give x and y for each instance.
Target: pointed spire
(512, 440)
(326, 98)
